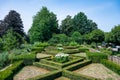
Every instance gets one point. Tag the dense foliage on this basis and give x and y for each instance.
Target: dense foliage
(111, 65)
(3, 59)
(77, 37)
(3, 27)
(116, 34)
(67, 26)
(96, 56)
(44, 25)
(59, 38)
(14, 21)
(82, 24)
(97, 36)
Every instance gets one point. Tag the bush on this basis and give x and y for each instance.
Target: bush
(27, 56)
(40, 44)
(77, 37)
(37, 49)
(3, 59)
(26, 47)
(96, 56)
(73, 43)
(59, 38)
(111, 65)
(8, 73)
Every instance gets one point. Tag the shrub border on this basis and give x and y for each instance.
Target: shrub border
(8, 73)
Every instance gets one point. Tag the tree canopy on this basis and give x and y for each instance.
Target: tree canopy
(116, 34)
(44, 25)
(14, 21)
(3, 28)
(67, 26)
(82, 24)
(97, 36)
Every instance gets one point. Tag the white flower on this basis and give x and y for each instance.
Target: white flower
(61, 55)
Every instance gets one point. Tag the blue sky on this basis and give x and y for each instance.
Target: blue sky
(106, 13)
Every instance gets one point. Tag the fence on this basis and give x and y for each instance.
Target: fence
(115, 59)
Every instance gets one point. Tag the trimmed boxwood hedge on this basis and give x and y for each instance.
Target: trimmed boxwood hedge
(111, 65)
(71, 47)
(28, 56)
(83, 49)
(46, 66)
(96, 56)
(48, 76)
(78, 65)
(61, 65)
(75, 76)
(8, 73)
(71, 51)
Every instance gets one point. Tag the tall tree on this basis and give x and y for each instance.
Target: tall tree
(44, 25)
(3, 27)
(14, 21)
(116, 34)
(97, 36)
(82, 24)
(67, 26)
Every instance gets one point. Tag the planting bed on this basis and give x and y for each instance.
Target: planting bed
(80, 54)
(41, 55)
(98, 71)
(29, 72)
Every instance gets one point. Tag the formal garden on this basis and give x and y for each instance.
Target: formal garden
(73, 51)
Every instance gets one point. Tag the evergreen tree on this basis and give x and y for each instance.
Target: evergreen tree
(9, 40)
(14, 21)
(3, 28)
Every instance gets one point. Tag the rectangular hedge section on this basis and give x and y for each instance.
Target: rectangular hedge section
(8, 73)
(60, 65)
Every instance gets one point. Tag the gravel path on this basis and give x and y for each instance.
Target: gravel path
(62, 78)
(29, 72)
(98, 71)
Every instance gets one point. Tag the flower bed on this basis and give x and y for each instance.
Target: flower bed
(61, 57)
